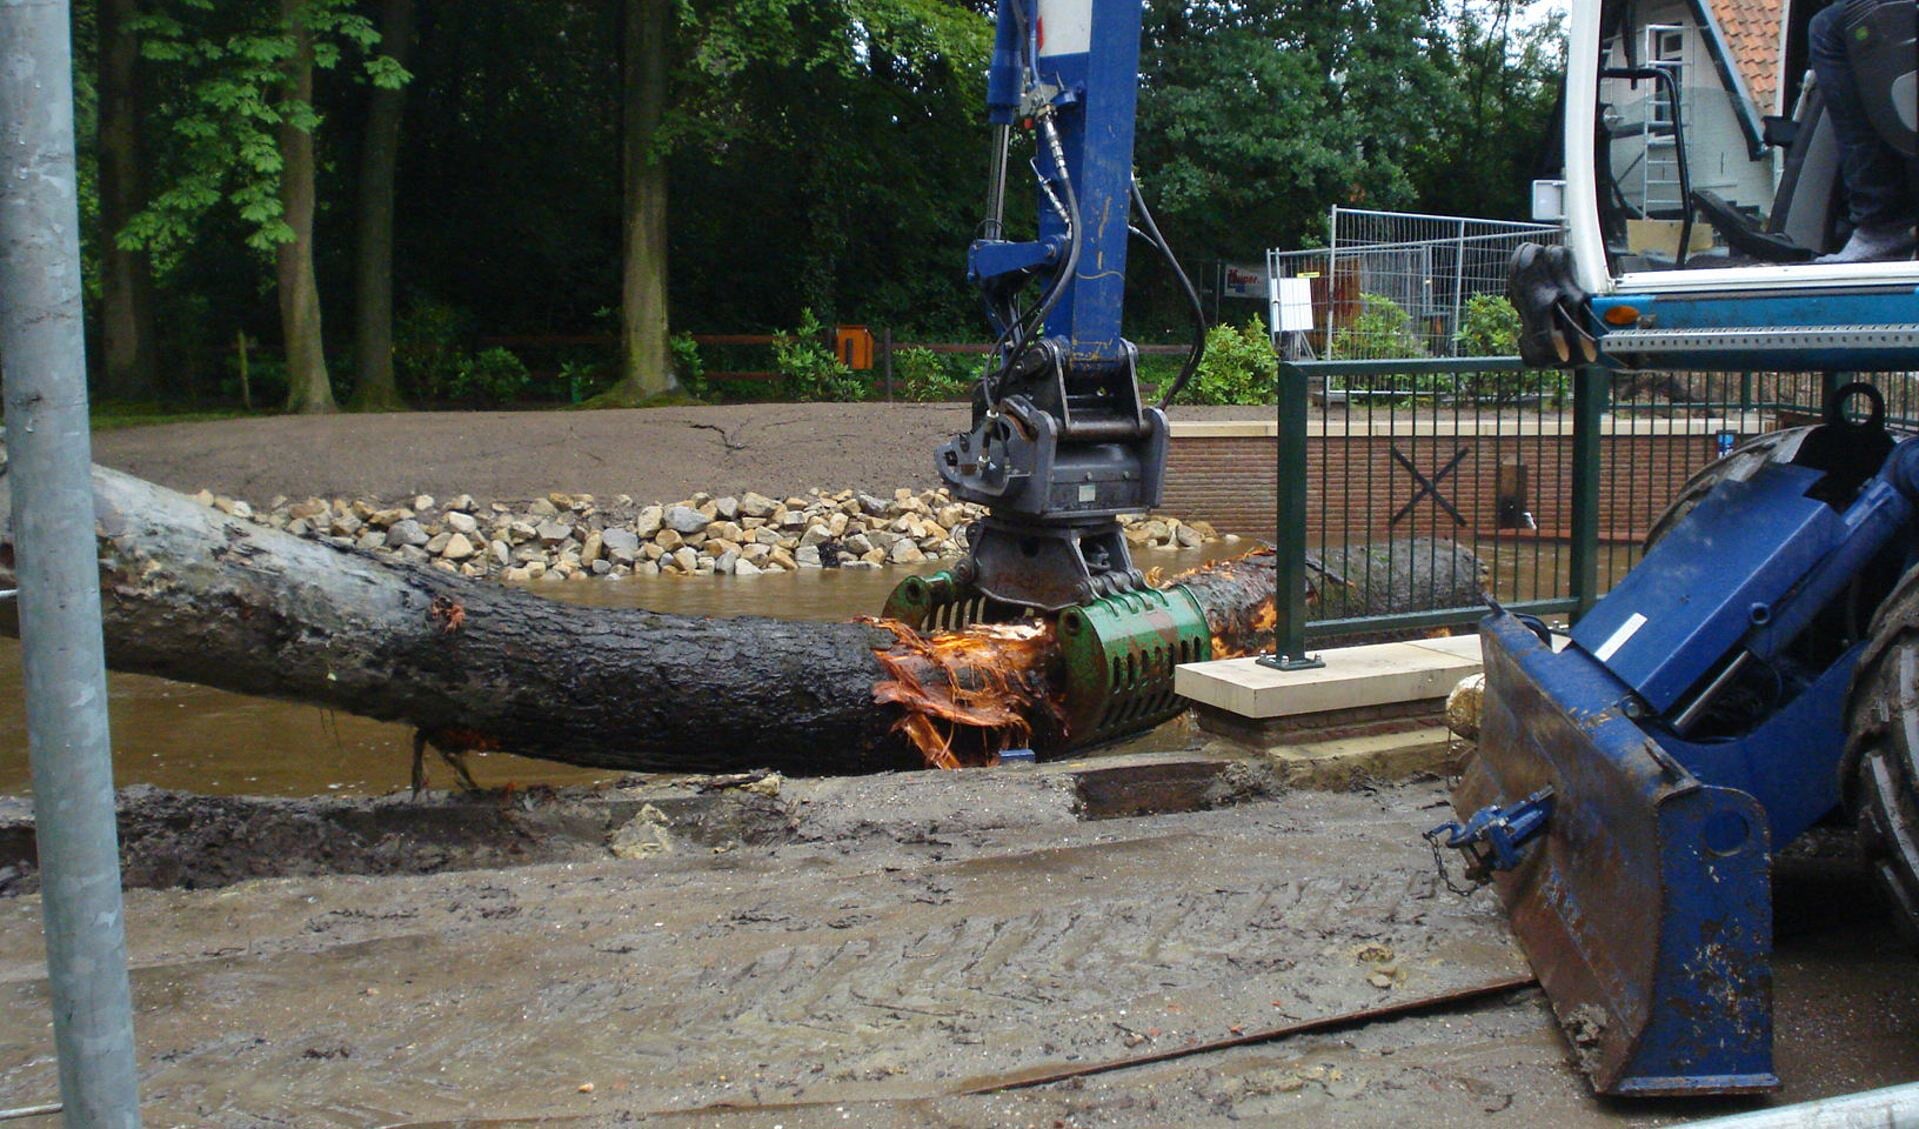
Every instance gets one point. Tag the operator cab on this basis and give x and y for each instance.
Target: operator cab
(1712, 181)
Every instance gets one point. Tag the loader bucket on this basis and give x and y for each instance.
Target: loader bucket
(1645, 907)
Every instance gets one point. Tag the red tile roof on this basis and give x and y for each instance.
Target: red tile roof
(1751, 31)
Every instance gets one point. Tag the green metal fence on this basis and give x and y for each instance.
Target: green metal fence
(1395, 475)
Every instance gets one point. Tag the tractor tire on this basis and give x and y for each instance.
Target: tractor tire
(1742, 463)
(1880, 772)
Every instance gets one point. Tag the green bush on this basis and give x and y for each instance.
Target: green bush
(1488, 327)
(430, 348)
(688, 366)
(1239, 367)
(1382, 330)
(809, 370)
(924, 375)
(581, 380)
(493, 378)
(266, 379)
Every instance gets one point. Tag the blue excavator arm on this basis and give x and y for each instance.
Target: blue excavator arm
(1062, 442)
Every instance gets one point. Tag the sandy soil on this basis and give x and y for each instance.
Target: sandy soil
(659, 454)
(853, 952)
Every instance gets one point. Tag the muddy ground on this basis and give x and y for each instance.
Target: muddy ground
(661, 454)
(853, 952)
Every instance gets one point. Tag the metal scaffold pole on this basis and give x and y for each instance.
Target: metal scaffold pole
(62, 656)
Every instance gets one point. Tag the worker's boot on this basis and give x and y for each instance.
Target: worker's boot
(1875, 243)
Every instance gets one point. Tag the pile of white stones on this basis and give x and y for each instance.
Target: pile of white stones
(575, 537)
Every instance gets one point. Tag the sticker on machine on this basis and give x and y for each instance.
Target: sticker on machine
(1065, 27)
(1620, 638)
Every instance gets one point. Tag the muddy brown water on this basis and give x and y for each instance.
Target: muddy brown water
(176, 735)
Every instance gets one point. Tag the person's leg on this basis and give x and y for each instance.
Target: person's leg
(1874, 176)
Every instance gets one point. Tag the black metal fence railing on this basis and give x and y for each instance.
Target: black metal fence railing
(1407, 486)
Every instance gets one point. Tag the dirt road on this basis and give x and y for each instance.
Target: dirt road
(660, 454)
(858, 950)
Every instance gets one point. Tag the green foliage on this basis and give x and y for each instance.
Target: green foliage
(266, 379)
(224, 69)
(115, 415)
(1255, 117)
(434, 365)
(1239, 367)
(1503, 83)
(809, 370)
(688, 366)
(580, 380)
(853, 125)
(1381, 330)
(1489, 327)
(929, 377)
(493, 378)
(430, 348)
(848, 131)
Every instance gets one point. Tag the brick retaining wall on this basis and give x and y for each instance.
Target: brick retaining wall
(1226, 474)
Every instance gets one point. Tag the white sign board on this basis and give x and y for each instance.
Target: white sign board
(1549, 201)
(1293, 305)
(1243, 282)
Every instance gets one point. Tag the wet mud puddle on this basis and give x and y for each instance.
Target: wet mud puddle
(176, 735)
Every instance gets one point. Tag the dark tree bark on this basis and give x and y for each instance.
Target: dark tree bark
(128, 367)
(195, 595)
(375, 389)
(308, 388)
(646, 357)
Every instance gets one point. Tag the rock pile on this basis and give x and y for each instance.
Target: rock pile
(576, 537)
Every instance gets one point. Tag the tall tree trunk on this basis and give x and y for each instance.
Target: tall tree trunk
(646, 358)
(308, 389)
(129, 370)
(374, 387)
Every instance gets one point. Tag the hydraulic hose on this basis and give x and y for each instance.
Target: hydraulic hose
(1021, 336)
(1198, 354)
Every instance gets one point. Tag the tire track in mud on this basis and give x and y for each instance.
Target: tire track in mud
(1056, 971)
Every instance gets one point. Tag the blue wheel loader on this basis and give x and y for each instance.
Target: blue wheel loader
(1757, 673)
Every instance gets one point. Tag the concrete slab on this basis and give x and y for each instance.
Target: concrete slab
(1464, 646)
(1353, 678)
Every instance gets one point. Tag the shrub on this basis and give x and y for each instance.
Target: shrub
(928, 376)
(581, 380)
(1382, 330)
(429, 348)
(688, 366)
(1489, 327)
(808, 368)
(266, 379)
(492, 378)
(1239, 367)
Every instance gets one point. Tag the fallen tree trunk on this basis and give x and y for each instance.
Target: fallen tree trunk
(193, 594)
